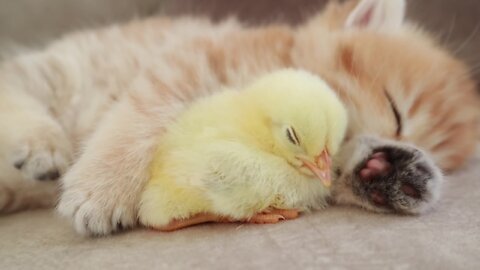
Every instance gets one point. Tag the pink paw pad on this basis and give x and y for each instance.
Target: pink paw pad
(377, 165)
(378, 198)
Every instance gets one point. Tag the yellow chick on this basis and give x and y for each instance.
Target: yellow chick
(259, 155)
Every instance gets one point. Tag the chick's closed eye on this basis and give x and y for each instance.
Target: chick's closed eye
(292, 136)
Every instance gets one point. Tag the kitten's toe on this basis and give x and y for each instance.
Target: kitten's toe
(42, 156)
(377, 165)
(95, 215)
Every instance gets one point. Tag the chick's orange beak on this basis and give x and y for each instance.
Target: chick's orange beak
(320, 168)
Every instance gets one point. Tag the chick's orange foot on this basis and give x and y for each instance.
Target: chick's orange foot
(269, 216)
(200, 218)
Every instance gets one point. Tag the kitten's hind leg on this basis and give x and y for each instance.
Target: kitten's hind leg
(21, 195)
(34, 149)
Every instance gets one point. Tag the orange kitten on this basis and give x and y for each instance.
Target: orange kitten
(412, 105)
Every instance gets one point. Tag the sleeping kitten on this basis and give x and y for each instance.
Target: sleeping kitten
(101, 99)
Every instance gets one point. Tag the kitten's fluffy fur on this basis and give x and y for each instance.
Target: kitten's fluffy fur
(114, 90)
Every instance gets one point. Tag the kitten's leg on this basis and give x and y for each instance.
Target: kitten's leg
(20, 195)
(101, 192)
(34, 149)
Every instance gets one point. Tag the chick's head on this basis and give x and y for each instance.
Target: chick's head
(304, 120)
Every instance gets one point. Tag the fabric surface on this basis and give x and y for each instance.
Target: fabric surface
(447, 237)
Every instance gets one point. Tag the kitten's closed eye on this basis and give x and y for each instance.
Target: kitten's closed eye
(398, 117)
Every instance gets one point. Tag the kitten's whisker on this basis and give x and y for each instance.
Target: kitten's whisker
(472, 72)
(475, 72)
(451, 28)
(474, 66)
(467, 40)
(473, 69)
(377, 75)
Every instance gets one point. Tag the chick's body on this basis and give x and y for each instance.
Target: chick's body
(233, 155)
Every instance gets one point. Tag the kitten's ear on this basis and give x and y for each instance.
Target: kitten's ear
(378, 15)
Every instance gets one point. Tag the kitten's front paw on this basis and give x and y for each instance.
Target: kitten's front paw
(42, 155)
(96, 213)
(386, 176)
(397, 178)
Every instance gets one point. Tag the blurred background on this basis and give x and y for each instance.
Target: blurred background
(33, 23)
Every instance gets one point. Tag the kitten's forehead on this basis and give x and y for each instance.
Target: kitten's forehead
(377, 51)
